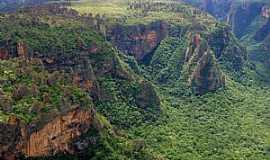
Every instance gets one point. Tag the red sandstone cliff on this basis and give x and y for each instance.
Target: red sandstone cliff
(202, 69)
(139, 40)
(56, 136)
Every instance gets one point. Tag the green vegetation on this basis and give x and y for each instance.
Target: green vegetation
(108, 145)
(168, 58)
(28, 91)
(144, 110)
(60, 37)
(113, 8)
(138, 12)
(228, 124)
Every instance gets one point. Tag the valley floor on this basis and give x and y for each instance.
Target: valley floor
(120, 83)
(230, 124)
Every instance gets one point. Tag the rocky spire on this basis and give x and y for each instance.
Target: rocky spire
(203, 73)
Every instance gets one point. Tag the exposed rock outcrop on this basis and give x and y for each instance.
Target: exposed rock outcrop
(84, 76)
(263, 32)
(12, 138)
(227, 49)
(265, 11)
(240, 14)
(217, 8)
(241, 18)
(57, 136)
(8, 50)
(22, 49)
(140, 40)
(202, 69)
(3, 54)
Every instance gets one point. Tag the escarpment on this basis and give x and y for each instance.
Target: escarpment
(227, 49)
(242, 17)
(82, 56)
(53, 112)
(164, 74)
(263, 32)
(12, 137)
(61, 135)
(203, 57)
(85, 64)
(42, 113)
(202, 70)
(217, 8)
(251, 24)
(139, 41)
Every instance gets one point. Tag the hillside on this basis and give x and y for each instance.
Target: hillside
(77, 56)
(250, 22)
(128, 80)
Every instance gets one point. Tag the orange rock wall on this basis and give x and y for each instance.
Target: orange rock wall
(56, 136)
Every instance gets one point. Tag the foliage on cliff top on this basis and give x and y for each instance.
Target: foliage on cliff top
(30, 92)
(49, 34)
(218, 125)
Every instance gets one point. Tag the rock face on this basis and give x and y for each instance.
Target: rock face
(217, 8)
(8, 51)
(227, 49)
(265, 11)
(139, 41)
(204, 74)
(88, 64)
(251, 23)
(58, 136)
(3, 53)
(79, 66)
(240, 14)
(22, 49)
(12, 138)
(263, 32)
(84, 76)
(242, 17)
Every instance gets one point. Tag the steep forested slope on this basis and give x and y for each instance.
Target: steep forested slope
(250, 23)
(127, 80)
(76, 76)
